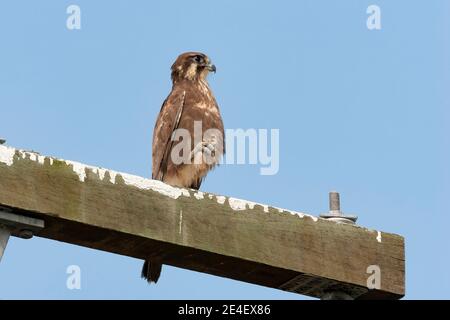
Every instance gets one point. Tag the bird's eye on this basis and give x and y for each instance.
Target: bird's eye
(198, 59)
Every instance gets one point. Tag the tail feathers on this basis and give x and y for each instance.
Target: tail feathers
(151, 270)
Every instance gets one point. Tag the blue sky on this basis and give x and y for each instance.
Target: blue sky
(363, 112)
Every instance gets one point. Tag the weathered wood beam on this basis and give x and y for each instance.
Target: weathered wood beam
(137, 217)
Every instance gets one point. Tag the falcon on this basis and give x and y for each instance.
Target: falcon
(188, 138)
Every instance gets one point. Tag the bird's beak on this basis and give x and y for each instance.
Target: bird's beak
(211, 67)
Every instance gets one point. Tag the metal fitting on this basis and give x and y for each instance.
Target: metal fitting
(335, 213)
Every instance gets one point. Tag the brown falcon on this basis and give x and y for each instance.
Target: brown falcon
(188, 138)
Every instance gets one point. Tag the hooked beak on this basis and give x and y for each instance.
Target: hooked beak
(211, 67)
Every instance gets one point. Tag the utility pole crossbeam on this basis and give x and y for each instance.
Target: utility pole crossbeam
(228, 237)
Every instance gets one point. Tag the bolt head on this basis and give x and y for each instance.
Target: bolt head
(26, 234)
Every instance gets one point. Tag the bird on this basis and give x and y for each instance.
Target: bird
(188, 137)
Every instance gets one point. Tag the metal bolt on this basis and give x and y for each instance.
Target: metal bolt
(26, 234)
(335, 202)
(335, 213)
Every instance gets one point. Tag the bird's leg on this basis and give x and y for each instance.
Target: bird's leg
(209, 149)
(211, 146)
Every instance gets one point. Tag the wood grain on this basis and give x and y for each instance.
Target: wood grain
(259, 245)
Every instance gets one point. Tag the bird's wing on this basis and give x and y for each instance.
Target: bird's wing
(167, 122)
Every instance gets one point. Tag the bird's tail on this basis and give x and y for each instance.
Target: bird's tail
(151, 270)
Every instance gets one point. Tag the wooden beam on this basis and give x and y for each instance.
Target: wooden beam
(137, 217)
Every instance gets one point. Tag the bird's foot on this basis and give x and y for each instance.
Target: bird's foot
(209, 149)
(204, 148)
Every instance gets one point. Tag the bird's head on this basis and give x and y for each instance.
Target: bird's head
(192, 66)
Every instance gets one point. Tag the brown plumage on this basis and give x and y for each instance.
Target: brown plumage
(191, 100)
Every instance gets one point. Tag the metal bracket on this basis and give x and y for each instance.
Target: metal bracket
(4, 237)
(12, 224)
(336, 295)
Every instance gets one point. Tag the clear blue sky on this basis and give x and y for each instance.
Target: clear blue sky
(364, 112)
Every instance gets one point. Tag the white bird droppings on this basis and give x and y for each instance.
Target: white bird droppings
(102, 173)
(155, 185)
(7, 155)
(379, 236)
(237, 204)
(221, 199)
(302, 215)
(199, 195)
(78, 168)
